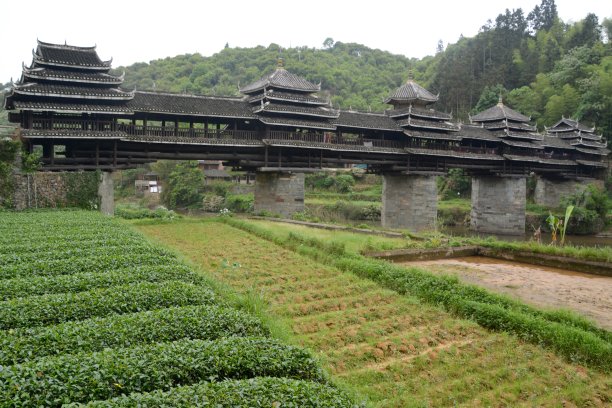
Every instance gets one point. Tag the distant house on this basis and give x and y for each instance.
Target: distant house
(148, 183)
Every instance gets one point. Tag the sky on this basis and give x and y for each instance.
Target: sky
(130, 31)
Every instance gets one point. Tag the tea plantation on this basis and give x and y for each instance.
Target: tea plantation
(92, 314)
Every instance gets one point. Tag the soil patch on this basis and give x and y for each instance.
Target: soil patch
(587, 294)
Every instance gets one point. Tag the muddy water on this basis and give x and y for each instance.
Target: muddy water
(589, 295)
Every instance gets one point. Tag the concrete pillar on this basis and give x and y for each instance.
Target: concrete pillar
(279, 193)
(550, 192)
(106, 194)
(498, 205)
(409, 201)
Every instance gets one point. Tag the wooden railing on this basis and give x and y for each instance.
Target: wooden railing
(73, 124)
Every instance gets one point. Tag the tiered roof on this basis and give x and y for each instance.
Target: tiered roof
(411, 93)
(512, 128)
(581, 137)
(284, 99)
(68, 79)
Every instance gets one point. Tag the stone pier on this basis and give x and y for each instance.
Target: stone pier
(549, 192)
(409, 202)
(498, 205)
(106, 194)
(279, 193)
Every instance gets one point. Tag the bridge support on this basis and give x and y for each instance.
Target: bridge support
(106, 194)
(409, 201)
(550, 192)
(279, 192)
(498, 205)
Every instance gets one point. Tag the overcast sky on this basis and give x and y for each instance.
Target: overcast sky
(137, 31)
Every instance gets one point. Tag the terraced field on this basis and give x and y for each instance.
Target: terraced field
(91, 313)
(390, 348)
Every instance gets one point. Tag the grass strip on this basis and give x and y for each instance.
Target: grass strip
(556, 330)
(252, 392)
(57, 308)
(54, 381)
(164, 325)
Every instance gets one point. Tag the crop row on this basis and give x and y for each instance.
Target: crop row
(57, 380)
(68, 243)
(75, 251)
(252, 392)
(164, 325)
(570, 336)
(57, 308)
(80, 282)
(99, 262)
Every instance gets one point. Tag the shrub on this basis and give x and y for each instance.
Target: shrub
(252, 392)
(212, 202)
(191, 322)
(240, 203)
(57, 308)
(53, 381)
(344, 183)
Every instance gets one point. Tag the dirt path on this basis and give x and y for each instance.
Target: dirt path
(390, 349)
(589, 295)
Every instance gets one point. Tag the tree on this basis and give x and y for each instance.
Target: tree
(489, 97)
(328, 43)
(543, 16)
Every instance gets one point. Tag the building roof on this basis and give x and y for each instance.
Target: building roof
(363, 120)
(520, 135)
(411, 92)
(567, 124)
(477, 133)
(275, 95)
(454, 136)
(72, 92)
(281, 79)
(68, 107)
(499, 112)
(316, 111)
(576, 134)
(452, 153)
(216, 173)
(556, 143)
(516, 143)
(59, 75)
(163, 102)
(541, 160)
(69, 56)
(411, 122)
(297, 123)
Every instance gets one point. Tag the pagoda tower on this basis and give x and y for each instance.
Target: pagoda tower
(282, 100)
(69, 80)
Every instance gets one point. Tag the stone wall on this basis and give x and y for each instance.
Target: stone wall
(550, 192)
(498, 205)
(409, 202)
(39, 190)
(279, 193)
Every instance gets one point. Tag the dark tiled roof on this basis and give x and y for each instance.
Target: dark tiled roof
(68, 55)
(190, 105)
(74, 92)
(541, 160)
(591, 163)
(477, 133)
(599, 152)
(362, 120)
(422, 113)
(515, 143)
(499, 112)
(366, 147)
(588, 143)
(555, 142)
(427, 124)
(293, 109)
(288, 97)
(566, 124)
(297, 123)
(521, 135)
(282, 79)
(411, 91)
(453, 153)
(61, 107)
(71, 134)
(49, 74)
(576, 135)
(507, 124)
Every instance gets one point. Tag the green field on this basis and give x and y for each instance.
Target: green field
(92, 313)
(399, 337)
